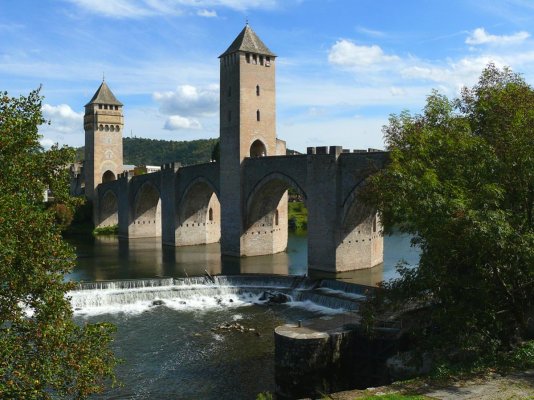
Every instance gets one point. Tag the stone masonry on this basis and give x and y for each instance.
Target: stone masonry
(240, 201)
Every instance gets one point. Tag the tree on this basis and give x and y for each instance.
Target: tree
(43, 353)
(461, 180)
(216, 152)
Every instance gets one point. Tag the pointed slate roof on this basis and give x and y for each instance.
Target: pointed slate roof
(248, 41)
(104, 96)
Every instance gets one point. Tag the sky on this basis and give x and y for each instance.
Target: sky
(343, 66)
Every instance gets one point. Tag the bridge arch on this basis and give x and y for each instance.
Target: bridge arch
(146, 212)
(265, 225)
(109, 209)
(198, 214)
(360, 233)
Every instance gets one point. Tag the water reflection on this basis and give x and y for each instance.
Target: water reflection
(109, 258)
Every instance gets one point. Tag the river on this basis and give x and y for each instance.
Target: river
(174, 351)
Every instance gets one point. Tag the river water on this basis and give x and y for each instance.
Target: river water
(175, 350)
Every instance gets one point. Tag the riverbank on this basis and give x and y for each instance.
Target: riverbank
(491, 386)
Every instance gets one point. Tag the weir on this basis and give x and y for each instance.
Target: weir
(111, 296)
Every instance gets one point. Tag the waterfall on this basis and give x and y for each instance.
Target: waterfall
(330, 285)
(125, 284)
(205, 292)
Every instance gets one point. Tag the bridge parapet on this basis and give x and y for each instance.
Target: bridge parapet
(174, 166)
(337, 150)
(125, 175)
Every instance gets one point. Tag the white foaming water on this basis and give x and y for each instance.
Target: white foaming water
(135, 301)
(348, 295)
(203, 293)
(317, 308)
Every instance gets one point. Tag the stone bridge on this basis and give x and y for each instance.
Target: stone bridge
(182, 206)
(240, 201)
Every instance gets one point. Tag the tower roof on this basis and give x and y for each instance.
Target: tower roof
(248, 41)
(103, 95)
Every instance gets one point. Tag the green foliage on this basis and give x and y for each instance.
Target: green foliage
(106, 230)
(43, 353)
(297, 215)
(216, 152)
(264, 396)
(461, 180)
(83, 212)
(63, 215)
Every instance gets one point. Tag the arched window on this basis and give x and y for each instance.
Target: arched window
(108, 176)
(257, 149)
(210, 214)
(257, 90)
(276, 218)
(257, 115)
(374, 223)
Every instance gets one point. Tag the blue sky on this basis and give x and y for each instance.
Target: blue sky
(343, 66)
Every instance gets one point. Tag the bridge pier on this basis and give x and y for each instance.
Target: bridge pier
(168, 204)
(322, 211)
(124, 205)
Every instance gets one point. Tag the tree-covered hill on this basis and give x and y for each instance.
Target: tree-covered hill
(138, 151)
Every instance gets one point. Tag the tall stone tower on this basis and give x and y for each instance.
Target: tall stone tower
(247, 125)
(103, 123)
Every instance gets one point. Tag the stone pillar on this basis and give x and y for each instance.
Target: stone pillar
(322, 211)
(168, 202)
(124, 203)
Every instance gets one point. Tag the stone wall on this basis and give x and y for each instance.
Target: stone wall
(175, 203)
(314, 360)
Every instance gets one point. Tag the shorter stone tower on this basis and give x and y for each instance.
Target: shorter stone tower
(103, 123)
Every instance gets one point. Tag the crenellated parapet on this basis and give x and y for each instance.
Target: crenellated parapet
(172, 167)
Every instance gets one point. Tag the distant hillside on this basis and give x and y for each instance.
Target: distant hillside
(138, 151)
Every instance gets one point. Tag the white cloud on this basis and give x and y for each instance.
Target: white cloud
(345, 53)
(480, 36)
(207, 13)
(46, 143)
(370, 32)
(397, 91)
(62, 119)
(189, 100)
(147, 8)
(116, 8)
(62, 112)
(176, 122)
(452, 74)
